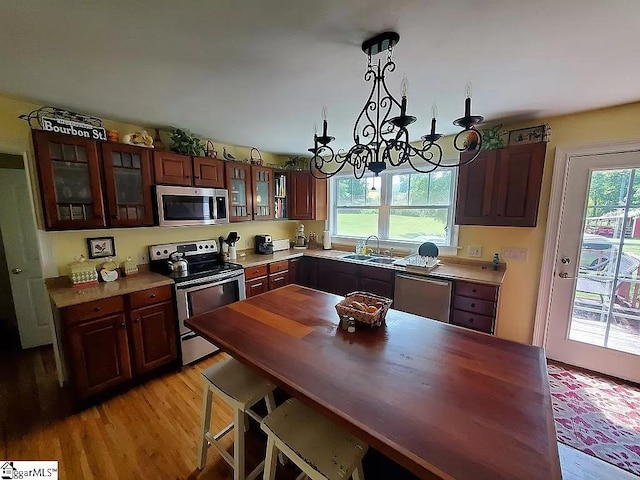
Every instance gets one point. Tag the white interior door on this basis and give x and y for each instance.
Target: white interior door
(17, 222)
(594, 315)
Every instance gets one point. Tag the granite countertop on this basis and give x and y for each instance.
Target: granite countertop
(451, 268)
(63, 294)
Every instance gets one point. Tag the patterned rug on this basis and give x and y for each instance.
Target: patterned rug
(597, 415)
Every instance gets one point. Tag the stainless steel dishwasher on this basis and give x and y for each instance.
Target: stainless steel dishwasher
(423, 296)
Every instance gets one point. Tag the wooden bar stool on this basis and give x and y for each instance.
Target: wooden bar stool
(241, 389)
(316, 445)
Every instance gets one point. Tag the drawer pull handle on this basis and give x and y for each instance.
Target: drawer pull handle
(153, 295)
(97, 309)
(256, 285)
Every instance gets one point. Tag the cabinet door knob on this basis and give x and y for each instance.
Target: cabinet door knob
(153, 295)
(122, 324)
(471, 320)
(97, 309)
(473, 305)
(137, 320)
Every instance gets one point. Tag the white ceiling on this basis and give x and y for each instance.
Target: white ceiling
(258, 72)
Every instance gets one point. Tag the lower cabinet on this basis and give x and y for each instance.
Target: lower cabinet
(256, 286)
(294, 270)
(263, 278)
(99, 354)
(154, 338)
(111, 341)
(342, 278)
(474, 306)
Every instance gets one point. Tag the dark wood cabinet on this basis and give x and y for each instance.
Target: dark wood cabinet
(238, 181)
(154, 337)
(105, 339)
(278, 280)
(208, 172)
(308, 272)
(263, 193)
(294, 270)
(99, 354)
(474, 306)
(173, 168)
(70, 181)
(501, 187)
(307, 197)
(256, 286)
(377, 280)
(128, 178)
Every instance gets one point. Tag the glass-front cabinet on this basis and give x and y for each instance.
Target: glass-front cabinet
(262, 187)
(69, 181)
(238, 181)
(128, 178)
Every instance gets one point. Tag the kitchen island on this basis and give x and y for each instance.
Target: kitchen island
(442, 401)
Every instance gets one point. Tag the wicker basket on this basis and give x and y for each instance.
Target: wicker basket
(372, 319)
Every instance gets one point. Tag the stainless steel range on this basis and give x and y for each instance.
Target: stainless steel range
(206, 283)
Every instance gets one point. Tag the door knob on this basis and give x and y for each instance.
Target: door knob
(566, 260)
(16, 271)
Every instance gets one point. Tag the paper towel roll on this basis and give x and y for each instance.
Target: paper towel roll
(326, 240)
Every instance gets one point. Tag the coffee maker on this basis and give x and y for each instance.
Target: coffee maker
(264, 244)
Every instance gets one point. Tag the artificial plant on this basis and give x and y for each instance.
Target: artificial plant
(182, 141)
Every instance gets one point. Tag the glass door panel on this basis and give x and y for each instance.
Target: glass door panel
(606, 302)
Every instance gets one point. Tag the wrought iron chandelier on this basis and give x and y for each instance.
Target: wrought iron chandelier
(381, 137)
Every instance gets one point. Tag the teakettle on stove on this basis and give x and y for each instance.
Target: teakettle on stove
(178, 264)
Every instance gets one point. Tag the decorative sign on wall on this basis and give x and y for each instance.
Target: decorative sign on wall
(53, 119)
(76, 129)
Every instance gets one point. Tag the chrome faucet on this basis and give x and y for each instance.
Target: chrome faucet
(367, 241)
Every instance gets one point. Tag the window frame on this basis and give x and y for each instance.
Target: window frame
(384, 212)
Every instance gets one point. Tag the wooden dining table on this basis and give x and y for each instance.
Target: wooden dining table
(440, 400)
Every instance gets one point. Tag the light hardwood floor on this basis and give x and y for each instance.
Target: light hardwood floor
(150, 431)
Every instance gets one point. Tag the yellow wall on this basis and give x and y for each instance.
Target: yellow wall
(15, 137)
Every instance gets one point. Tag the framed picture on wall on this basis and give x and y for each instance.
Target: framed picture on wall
(100, 247)
(528, 135)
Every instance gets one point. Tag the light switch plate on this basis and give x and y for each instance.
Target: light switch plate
(515, 253)
(475, 251)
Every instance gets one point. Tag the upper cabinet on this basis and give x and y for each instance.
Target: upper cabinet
(70, 181)
(501, 187)
(238, 181)
(127, 171)
(208, 172)
(307, 197)
(177, 169)
(263, 193)
(173, 168)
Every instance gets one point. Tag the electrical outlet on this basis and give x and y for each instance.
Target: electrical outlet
(514, 253)
(474, 251)
(143, 258)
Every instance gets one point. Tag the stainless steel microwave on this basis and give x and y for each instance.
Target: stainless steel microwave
(182, 206)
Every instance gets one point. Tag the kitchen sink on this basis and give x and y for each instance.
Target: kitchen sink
(384, 260)
(357, 257)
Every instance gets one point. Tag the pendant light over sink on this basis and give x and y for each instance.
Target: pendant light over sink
(380, 132)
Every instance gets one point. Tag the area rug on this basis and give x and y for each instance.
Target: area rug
(597, 415)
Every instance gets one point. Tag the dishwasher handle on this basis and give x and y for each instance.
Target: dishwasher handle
(442, 283)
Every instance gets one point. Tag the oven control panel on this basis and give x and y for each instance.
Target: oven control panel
(162, 252)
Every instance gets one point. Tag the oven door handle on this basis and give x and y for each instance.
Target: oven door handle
(194, 288)
(188, 336)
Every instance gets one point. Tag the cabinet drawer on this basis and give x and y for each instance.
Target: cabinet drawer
(279, 266)
(476, 290)
(257, 286)
(474, 321)
(474, 305)
(255, 272)
(95, 309)
(150, 296)
(278, 280)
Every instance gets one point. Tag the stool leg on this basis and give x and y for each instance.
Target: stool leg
(270, 460)
(207, 402)
(357, 473)
(238, 444)
(271, 402)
